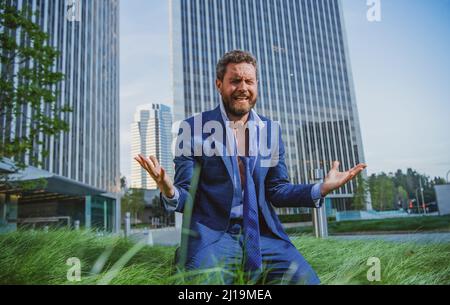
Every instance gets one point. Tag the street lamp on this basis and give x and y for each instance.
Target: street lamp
(417, 200)
(423, 200)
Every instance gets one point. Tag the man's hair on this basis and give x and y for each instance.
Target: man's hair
(234, 57)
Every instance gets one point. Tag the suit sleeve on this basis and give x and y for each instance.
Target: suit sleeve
(280, 192)
(184, 169)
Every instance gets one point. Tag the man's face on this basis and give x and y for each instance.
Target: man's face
(239, 89)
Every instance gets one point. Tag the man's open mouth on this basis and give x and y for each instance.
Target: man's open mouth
(241, 99)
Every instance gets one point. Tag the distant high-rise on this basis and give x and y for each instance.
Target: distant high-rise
(87, 35)
(304, 71)
(151, 135)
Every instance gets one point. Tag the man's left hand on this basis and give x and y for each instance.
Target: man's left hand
(335, 179)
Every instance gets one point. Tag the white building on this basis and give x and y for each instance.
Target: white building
(151, 136)
(443, 198)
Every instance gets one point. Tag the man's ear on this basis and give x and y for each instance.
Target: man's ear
(219, 85)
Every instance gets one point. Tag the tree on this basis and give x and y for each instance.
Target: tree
(133, 202)
(388, 190)
(27, 87)
(438, 181)
(382, 190)
(160, 211)
(402, 197)
(409, 181)
(123, 183)
(359, 199)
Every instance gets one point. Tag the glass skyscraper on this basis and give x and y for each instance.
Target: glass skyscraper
(82, 168)
(151, 135)
(305, 79)
(87, 35)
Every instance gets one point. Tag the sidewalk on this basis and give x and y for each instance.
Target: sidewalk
(157, 237)
(405, 237)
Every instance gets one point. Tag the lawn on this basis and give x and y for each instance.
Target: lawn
(40, 258)
(410, 224)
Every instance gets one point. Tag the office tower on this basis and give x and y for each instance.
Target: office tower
(305, 78)
(86, 158)
(151, 136)
(89, 46)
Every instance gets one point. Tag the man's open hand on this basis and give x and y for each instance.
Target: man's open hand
(163, 181)
(335, 179)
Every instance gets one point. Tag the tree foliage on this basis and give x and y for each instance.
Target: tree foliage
(361, 192)
(27, 87)
(382, 191)
(388, 190)
(133, 202)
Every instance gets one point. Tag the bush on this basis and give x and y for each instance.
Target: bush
(295, 218)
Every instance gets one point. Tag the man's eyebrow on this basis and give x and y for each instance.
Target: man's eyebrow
(240, 77)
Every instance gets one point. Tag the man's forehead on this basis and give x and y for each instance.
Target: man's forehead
(241, 70)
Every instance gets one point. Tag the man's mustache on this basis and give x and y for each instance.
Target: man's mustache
(248, 96)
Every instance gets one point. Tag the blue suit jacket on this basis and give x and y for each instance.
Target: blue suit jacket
(216, 192)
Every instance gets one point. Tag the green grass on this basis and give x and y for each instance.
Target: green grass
(412, 224)
(345, 262)
(40, 258)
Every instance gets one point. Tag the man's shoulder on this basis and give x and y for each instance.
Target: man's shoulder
(203, 116)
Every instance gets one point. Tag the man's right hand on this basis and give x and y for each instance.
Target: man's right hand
(163, 181)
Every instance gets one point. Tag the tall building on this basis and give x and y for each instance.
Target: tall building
(151, 134)
(305, 79)
(87, 35)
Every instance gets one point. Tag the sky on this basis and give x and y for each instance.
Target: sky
(401, 73)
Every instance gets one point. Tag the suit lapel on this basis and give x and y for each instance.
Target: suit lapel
(217, 116)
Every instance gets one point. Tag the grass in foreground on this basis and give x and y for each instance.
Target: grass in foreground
(40, 258)
(411, 224)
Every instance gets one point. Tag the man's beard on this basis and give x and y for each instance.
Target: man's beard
(231, 106)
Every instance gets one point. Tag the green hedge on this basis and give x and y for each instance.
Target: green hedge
(300, 218)
(295, 218)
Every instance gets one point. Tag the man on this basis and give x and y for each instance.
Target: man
(233, 222)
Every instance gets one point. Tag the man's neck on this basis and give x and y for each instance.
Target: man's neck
(243, 119)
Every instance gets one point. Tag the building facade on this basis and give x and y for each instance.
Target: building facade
(305, 78)
(87, 35)
(151, 136)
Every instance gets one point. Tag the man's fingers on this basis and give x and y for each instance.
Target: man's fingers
(144, 164)
(148, 161)
(335, 165)
(155, 163)
(163, 173)
(355, 171)
(141, 162)
(358, 168)
(149, 166)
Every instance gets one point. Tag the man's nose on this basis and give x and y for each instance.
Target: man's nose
(242, 86)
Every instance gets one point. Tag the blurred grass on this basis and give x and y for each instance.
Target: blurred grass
(28, 257)
(410, 224)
